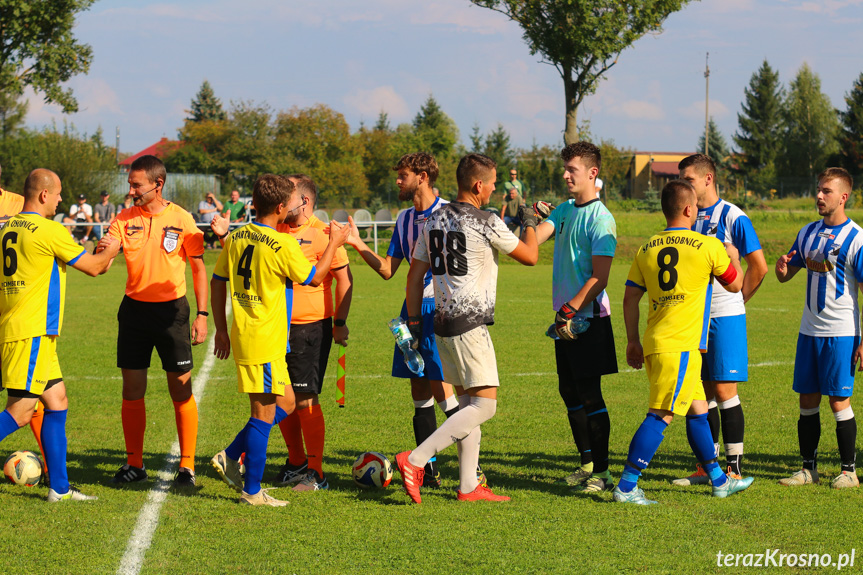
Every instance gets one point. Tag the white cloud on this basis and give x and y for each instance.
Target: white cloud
(370, 103)
(830, 7)
(95, 98)
(695, 110)
(639, 110)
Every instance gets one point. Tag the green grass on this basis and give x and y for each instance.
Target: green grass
(526, 448)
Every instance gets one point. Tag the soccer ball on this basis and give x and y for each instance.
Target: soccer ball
(371, 469)
(23, 468)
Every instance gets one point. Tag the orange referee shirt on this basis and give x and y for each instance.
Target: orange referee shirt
(313, 304)
(156, 247)
(10, 205)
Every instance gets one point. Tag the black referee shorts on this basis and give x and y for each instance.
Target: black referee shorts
(145, 325)
(591, 355)
(310, 350)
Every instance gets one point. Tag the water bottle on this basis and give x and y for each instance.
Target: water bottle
(403, 336)
(579, 325)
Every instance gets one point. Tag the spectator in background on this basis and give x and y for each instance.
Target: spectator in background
(235, 210)
(207, 210)
(128, 202)
(598, 187)
(80, 213)
(104, 213)
(509, 212)
(513, 183)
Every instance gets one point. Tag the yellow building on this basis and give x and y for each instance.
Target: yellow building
(651, 170)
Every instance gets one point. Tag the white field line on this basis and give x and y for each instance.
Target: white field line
(148, 518)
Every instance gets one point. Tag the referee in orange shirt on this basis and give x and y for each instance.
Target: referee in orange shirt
(157, 238)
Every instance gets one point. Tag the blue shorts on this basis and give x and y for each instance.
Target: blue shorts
(427, 349)
(727, 358)
(823, 365)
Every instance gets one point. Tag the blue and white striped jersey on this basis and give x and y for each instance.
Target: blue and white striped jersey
(409, 227)
(833, 258)
(730, 225)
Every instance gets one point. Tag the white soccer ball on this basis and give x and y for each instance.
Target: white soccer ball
(23, 468)
(373, 470)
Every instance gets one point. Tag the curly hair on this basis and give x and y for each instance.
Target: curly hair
(419, 162)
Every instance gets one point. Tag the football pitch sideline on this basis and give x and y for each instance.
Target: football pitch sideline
(527, 447)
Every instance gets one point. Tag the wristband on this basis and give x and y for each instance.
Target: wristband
(339, 322)
(204, 313)
(226, 234)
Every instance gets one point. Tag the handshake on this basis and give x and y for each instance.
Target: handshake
(531, 216)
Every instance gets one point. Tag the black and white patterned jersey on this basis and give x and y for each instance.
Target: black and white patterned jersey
(460, 243)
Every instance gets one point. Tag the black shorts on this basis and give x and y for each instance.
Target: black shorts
(163, 325)
(591, 355)
(23, 393)
(310, 350)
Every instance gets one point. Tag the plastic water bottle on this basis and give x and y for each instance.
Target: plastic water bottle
(579, 325)
(403, 336)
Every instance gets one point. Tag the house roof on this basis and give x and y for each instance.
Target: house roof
(160, 149)
(667, 169)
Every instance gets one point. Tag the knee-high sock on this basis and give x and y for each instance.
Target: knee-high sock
(642, 448)
(186, 417)
(468, 454)
(701, 442)
(54, 432)
(457, 427)
(134, 417)
(808, 435)
(599, 427)
(449, 406)
(36, 427)
(314, 432)
(732, 432)
(293, 434)
(846, 437)
(425, 423)
(713, 421)
(281, 414)
(257, 436)
(578, 424)
(8, 425)
(238, 445)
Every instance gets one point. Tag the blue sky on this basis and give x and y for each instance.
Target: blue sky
(360, 57)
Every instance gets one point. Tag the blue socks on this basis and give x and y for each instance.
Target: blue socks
(238, 446)
(8, 425)
(54, 443)
(257, 434)
(280, 415)
(701, 442)
(643, 447)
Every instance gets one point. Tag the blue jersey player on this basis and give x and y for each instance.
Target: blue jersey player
(417, 174)
(726, 362)
(828, 346)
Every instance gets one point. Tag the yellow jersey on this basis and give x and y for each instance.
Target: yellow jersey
(35, 252)
(10, 204)
(675, 267)
(259, 264)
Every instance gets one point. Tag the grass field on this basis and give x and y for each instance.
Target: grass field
(527, 447)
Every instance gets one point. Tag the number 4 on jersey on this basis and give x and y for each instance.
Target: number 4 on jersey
(244, 267)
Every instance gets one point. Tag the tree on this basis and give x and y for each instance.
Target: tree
(811, 126)
(13, 111)
(436, 133)
(851, 129)
(760, 128)
(717, 149)
(38, 49)
(583, 38)
(206, 107)
(378, 158)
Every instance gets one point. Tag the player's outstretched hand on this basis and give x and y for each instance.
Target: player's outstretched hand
(634, 355)
(527, 215)
(543, 209)
(222, 347)
(782, 264)
(340, 232)
(220, 225)
(354, 238)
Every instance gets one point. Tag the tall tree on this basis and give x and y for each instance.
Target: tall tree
(436, 132)
(38, 49)
(583, 38)
(811, 126)
(13, 111)
(498, 147)
(206, 107)
(378, 158)
(851, 129)
(719, 152)
(760, 135)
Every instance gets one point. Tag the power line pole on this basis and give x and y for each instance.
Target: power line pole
(706, 103)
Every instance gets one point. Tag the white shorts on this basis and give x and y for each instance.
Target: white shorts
(468, 359)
